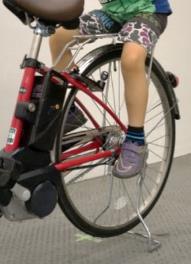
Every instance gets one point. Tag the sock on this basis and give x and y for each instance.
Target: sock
(135, 135)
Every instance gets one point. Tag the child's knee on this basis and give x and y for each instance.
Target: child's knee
(133, 56)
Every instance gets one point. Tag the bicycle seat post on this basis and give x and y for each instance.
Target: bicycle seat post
(35, 47)
(40, 31)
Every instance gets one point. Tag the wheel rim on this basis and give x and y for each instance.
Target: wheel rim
(103, 201)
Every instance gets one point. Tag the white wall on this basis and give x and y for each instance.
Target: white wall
(172, 51)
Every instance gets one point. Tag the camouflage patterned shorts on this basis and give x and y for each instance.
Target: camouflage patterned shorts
(144, 29)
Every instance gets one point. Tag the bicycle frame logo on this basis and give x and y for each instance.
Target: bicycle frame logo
(11, 136)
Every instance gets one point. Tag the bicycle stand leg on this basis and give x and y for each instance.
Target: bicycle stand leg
(152, 243)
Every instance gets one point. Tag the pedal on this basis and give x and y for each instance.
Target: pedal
(8, 168)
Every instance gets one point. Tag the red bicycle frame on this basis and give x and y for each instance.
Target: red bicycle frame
(16, 130)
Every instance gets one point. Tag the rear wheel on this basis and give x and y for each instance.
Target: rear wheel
(92, 198)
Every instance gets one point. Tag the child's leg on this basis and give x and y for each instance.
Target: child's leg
(57, 42)
(136, 87)
(95, 22)
(139, 37)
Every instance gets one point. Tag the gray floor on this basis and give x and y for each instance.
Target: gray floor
(55, 241)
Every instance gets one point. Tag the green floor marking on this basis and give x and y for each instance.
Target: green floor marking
(84, 237)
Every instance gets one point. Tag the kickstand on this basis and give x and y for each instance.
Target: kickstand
(152, 243)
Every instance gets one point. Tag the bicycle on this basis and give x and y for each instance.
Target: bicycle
(43, 164)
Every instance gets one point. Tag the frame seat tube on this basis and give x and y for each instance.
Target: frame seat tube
(25, 91)
(24, 95)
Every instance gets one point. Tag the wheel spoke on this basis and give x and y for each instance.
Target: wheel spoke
(107, 205)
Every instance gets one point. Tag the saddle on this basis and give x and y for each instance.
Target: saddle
(51, 11)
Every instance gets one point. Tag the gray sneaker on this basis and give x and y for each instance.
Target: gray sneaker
(131, 160)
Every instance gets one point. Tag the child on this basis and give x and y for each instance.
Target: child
(139, 24)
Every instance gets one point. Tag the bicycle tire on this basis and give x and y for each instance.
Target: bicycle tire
(77, 213)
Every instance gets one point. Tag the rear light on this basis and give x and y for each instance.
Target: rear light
(174, 80)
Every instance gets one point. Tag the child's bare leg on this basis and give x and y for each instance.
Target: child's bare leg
(57, 42)
(136, 85)
(134, 150)
(139, 37)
